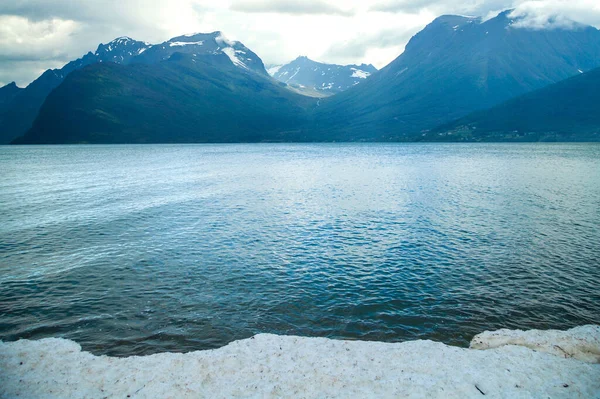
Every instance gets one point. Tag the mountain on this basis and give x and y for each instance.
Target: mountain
(455, 66)
(565, 111)
(185, 98)
(205, 88)
(7, 94)
(17, 116)
(325, 79)
(204, 44)
(122, 50)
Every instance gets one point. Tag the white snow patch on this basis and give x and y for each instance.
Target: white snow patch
(181, 44)
(140, 51)
(360, 74)
(292, 77)
(276, 366)
(581, 343)
(230, 52)
(456, 27)
(274, 69)
(122, 40)
(580, 71)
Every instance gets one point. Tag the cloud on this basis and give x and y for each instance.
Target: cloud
(294, 7)
(39, 34)
(359, 47)
(24, 40)
(540, 14)
(536, 13)
(439, 7)
(402, 6)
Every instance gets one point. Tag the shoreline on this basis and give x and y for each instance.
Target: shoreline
(504, 363)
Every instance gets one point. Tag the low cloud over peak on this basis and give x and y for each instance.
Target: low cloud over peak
(314, 7)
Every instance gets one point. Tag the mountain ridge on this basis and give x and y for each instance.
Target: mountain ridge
(17, 116)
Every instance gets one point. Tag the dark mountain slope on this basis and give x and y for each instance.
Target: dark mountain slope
(18, 115)
(184, 99)
(8, 93)
(565, 111)
(455, 66)
(328, 79)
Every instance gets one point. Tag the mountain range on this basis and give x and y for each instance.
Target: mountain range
(18, 115)
(183, 99)
(322, 79)
(205, 88)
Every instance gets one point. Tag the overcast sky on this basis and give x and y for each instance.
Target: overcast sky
(39, 34)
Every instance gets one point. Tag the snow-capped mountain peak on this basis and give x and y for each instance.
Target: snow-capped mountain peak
(204, 44)
(327, 79)
(120, 50)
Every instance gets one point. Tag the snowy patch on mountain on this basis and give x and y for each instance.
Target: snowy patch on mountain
(273, 69)
(231, 53)
(180, 44)
(360, 74)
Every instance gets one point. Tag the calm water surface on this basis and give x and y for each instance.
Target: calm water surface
(144, 249)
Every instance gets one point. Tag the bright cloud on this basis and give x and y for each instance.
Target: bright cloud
(40, 34)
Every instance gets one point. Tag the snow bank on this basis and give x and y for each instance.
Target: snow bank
(581, 343)
(274, 366)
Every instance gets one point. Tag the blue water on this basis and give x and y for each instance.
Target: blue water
(144, 249)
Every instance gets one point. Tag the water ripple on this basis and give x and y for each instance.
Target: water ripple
(144, 249)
